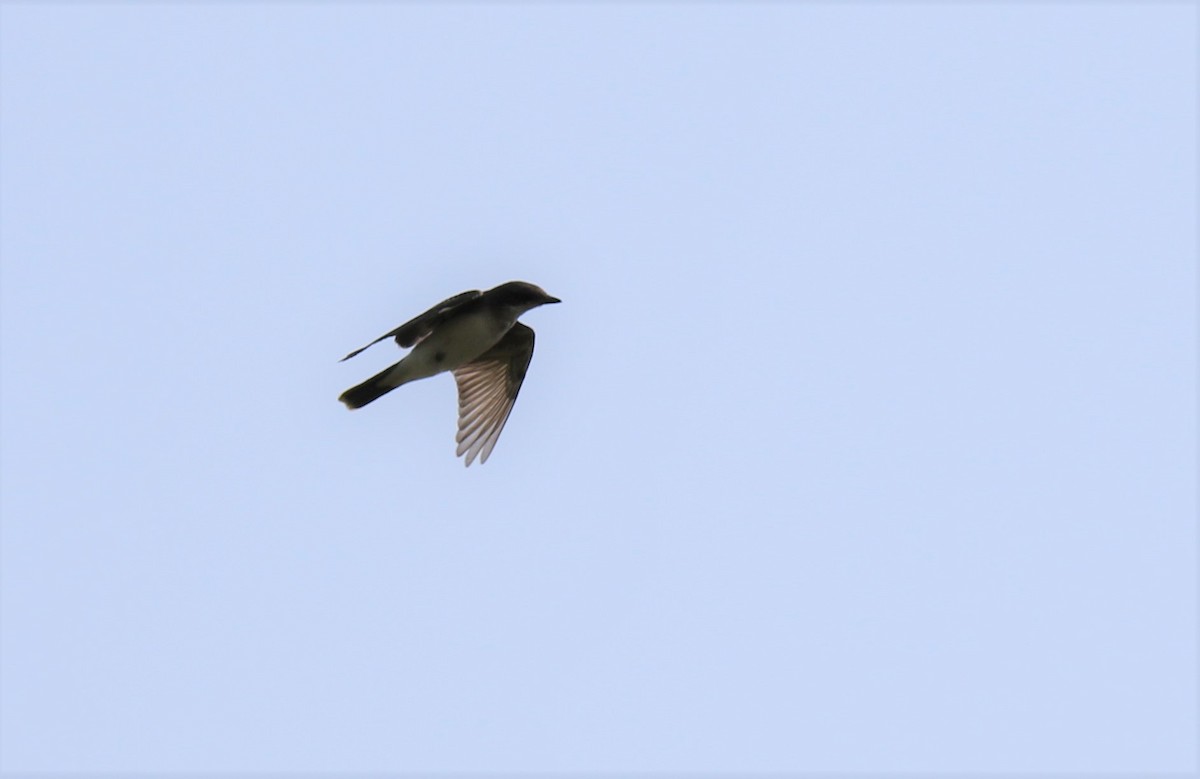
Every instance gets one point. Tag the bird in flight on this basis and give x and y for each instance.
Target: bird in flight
(476, 336)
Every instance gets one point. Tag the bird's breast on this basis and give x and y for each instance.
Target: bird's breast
(459, 341)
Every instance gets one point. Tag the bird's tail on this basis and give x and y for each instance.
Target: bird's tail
(375, 387)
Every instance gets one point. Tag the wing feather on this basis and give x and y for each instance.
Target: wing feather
(412, 331)
(487, 389)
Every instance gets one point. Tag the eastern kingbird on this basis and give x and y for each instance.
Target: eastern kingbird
(475, 335)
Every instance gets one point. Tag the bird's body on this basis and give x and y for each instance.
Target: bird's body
(476, 336)
(448, 347)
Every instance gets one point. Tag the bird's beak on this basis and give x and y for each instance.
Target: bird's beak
(551, 300)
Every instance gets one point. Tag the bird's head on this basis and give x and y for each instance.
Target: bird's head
(520, 295)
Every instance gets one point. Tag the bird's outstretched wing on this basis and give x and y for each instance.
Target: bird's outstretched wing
(418, 327)
(487, 389)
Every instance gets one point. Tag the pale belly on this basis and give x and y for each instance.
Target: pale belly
(453, 344)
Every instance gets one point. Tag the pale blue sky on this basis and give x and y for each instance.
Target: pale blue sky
(864, 439)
